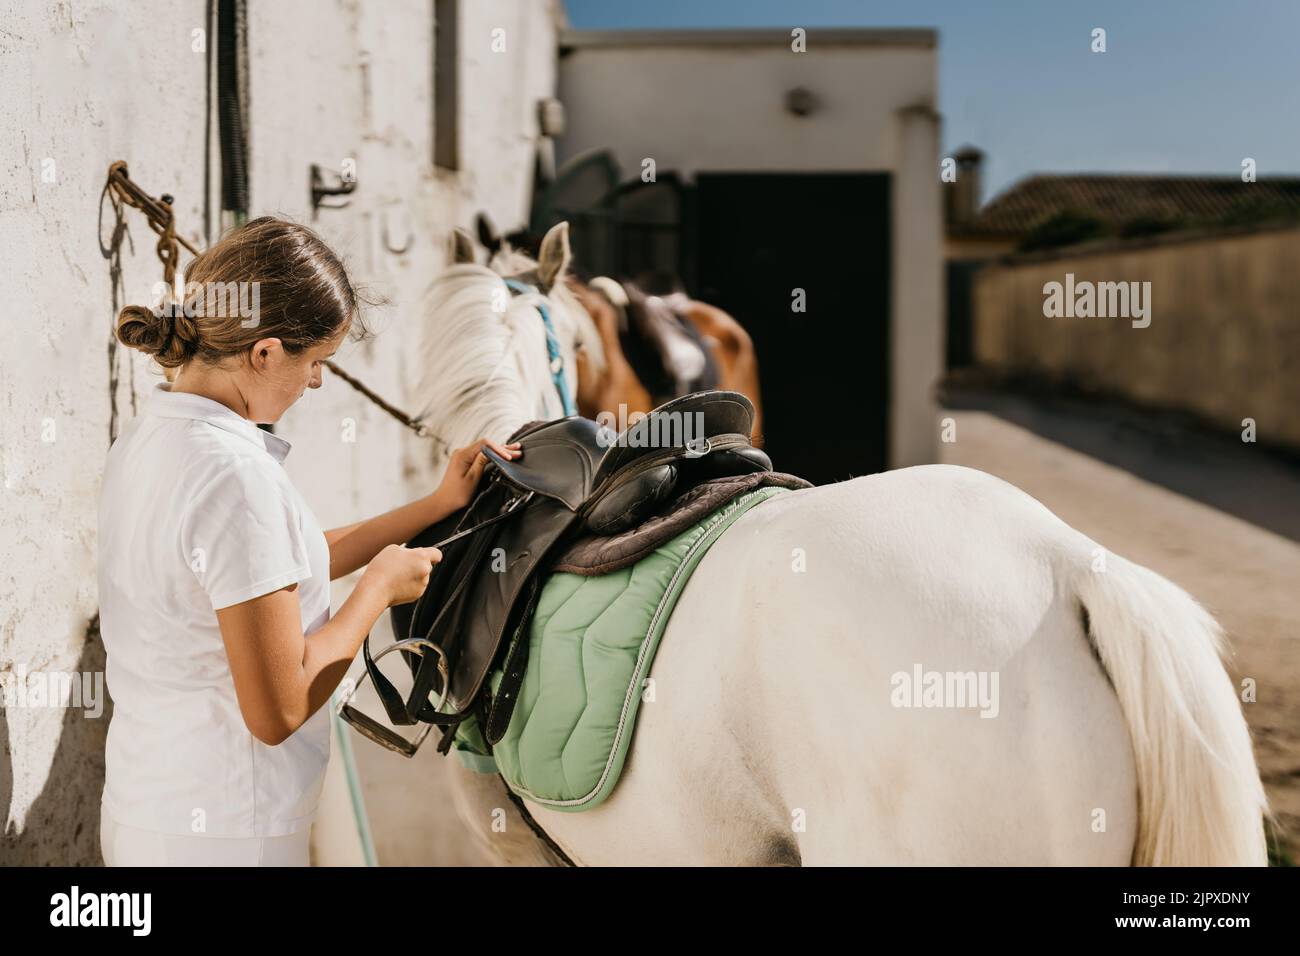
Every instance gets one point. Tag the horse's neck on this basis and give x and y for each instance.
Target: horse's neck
(607, 327)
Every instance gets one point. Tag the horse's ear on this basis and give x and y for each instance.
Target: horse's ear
(554, 256)
(460, 247)
(487, 234)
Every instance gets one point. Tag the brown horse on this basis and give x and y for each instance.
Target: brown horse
(660, 347)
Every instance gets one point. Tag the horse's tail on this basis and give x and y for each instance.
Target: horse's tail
(1200, 800)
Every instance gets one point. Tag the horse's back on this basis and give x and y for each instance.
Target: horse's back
(791, 689)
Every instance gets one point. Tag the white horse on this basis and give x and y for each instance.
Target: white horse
(789, 725)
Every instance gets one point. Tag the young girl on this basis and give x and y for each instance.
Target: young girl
(214, 575)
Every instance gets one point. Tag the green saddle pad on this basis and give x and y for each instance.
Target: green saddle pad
(592, 641)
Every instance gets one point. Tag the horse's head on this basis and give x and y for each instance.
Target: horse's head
(525, 256)
(544, 262)
(503, 344)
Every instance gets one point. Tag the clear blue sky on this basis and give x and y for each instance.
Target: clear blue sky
(1186, 86)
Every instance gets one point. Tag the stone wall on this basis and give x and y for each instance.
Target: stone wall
(1223, 341)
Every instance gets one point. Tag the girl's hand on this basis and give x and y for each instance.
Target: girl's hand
(464, 470)
(401, 574)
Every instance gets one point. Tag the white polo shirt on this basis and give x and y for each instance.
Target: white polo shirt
(197, 514)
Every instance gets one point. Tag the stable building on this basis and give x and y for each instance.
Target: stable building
(790, 178)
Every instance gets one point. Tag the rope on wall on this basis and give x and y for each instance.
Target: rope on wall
(162, 220)
(123, 191)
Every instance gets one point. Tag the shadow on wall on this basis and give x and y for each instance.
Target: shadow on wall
(61, 825)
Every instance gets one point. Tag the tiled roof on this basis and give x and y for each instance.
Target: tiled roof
(1120, 199)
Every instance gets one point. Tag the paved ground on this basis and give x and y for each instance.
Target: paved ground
(1242, 479)
(1246, 575)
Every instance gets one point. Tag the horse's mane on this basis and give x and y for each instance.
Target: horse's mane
(483, 368)
(473, 381)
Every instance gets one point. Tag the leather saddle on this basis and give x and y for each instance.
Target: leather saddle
(665, 350)
(575, 478)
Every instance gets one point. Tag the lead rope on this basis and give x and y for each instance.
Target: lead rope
(416, 425)
(122, 191)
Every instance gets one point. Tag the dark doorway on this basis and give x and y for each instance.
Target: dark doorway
(961, 346)
(824, 372)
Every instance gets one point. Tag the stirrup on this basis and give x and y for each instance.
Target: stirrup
(368, 727)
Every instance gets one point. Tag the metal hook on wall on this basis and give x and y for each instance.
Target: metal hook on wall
(346, 184)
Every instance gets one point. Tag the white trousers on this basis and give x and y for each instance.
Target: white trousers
(129, 846)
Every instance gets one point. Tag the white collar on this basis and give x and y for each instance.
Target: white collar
(168, 404)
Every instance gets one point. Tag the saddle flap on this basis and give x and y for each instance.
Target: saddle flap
(501, 580)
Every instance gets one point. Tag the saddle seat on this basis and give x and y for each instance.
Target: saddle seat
(575, 481)
(614, 481)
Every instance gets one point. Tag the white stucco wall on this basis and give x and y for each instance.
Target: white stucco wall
(86, 83)
(696, 103)
(717, 108)
(77, 97)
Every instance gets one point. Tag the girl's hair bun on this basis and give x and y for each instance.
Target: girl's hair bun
(167, 333)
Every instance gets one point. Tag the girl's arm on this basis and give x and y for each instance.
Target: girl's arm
(281, 677)
(354, 545)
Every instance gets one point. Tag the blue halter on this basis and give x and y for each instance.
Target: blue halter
(552, 347)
